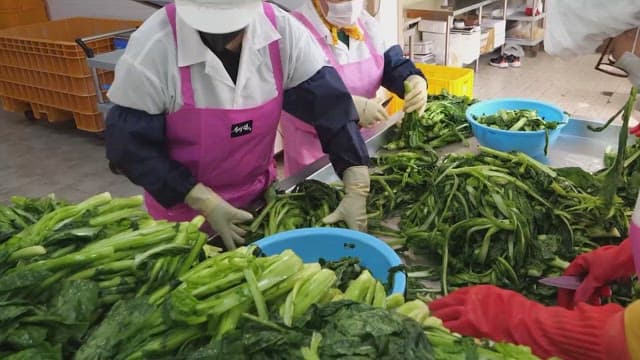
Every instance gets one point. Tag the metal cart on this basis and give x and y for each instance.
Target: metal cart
(107, 61)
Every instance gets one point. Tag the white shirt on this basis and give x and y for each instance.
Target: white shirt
(147, 76)
(357, 50)
(578, 27)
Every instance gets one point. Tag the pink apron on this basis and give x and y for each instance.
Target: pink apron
(229, 150)
(634, 235)
(362, 78)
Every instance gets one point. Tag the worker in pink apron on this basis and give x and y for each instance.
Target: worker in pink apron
(353, 43)
(198, 95)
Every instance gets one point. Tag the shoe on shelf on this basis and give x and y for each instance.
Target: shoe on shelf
(513, 61)
(499, 62)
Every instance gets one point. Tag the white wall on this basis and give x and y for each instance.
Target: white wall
(119, 9)
(389, 19)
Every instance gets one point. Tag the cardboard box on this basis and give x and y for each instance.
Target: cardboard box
(464, 48)
(420, 48)
(487, 41)
(432, 26)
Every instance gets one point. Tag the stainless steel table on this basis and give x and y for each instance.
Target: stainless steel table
(577, 146)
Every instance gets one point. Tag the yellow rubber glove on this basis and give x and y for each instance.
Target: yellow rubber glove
(416, 99)
(353, 207)
(221, 216)
(370, 111)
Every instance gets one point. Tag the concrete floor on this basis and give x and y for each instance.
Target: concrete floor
(37, 158)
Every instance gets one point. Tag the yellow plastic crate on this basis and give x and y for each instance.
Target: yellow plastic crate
(457, 81)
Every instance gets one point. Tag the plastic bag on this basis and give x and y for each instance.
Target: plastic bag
(578, 27)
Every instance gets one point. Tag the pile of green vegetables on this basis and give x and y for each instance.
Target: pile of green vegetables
(492, 217)
(305, 206)
(443, 122)
(61, 272)
(517, 120)
(100, 280)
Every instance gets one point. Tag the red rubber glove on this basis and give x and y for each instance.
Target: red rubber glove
(635, 130)
(600, 266)
(485, 311)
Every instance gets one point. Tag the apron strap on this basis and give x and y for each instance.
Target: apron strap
(274, 50)
(378, 58)
(186, 87)
(323, 44)
(327, 50)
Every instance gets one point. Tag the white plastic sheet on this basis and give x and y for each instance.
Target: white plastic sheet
(578, 27)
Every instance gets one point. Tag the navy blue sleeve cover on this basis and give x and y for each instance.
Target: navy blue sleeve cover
(396, 70)
(324, 102)
(136, 147)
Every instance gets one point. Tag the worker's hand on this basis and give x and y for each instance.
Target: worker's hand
(482, 311)
(353, 207)
(599, 267)
(221, 216)
(486, 311)
(416, 98)
(370, 111)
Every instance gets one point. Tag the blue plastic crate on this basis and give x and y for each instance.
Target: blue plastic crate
(333, 244)
(120, 43)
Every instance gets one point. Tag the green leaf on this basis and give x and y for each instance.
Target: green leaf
(27, 336)
(22, 279)
(123, 322)
(42, 352)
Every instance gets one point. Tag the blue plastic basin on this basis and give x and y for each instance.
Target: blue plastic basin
(332, 244)
(529, 142)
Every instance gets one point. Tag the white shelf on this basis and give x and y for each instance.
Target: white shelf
(520, 16)
(524, 42)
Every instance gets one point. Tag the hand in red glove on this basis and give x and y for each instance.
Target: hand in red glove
(588, 332)
(635, 130)
(600, 266)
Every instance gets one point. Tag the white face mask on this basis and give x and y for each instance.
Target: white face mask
(345, 13)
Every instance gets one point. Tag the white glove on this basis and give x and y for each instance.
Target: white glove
(370, 112)
(221, 216)
(353, 207)
(631, 64)
(416, 99)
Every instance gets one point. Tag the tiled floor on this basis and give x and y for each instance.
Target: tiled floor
(37, 158)
(571, 84)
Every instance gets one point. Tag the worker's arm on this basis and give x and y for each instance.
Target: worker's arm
(136, 147)
(397, 69)
(324, 102)
(315, 93)
(585, 333)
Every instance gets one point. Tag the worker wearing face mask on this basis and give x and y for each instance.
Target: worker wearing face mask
(354, 44)
(580, 327)
(198, 95)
